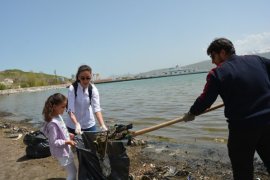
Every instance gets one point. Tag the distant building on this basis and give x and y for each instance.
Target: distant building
(95, 77)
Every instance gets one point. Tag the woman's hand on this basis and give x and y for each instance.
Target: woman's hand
(103, 127)
(78, 129)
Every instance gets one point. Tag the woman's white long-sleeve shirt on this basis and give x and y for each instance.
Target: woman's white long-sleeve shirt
(81, 107)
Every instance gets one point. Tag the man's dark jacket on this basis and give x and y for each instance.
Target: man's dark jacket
(243, 82)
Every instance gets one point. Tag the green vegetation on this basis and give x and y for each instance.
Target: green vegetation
(14, 78)
(2, 86)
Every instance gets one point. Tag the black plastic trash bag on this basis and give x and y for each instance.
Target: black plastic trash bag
(37, 145)
(40, 150)
(94, 163)
(89, 168)
(34, 138)
(119, 161)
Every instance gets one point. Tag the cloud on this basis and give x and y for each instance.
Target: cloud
(254, 43)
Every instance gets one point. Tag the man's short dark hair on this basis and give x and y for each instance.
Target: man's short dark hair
(221, 43)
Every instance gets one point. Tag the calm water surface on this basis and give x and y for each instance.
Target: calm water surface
(142, 102)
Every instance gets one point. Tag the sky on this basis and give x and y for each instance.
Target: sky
(119, 37)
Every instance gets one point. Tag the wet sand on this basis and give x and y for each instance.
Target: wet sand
(156, 160)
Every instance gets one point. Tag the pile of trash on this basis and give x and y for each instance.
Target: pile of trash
(13, 131)
(120, 132)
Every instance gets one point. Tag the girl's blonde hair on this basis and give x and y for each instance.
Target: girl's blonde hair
(54, 99)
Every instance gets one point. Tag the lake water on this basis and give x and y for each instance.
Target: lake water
(143, 103)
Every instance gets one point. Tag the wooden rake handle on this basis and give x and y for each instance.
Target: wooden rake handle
(158, 126)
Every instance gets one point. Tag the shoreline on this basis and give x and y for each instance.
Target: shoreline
(155, 160)
(44, 88)
(143, 78)
(32, 89)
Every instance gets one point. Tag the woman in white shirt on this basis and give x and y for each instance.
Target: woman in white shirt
(84, 104)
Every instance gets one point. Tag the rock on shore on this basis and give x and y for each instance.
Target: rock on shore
(31, 89)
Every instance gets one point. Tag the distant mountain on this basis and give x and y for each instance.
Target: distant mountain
(203, 65)
(266, 54)
(207, 64)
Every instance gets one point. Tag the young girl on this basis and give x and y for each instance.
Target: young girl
(56, 131)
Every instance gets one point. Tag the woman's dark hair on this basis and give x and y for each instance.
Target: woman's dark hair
(221, 43)
(81, 69)
(54, 99)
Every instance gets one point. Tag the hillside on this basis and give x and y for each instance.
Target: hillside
(203, 65)
(267, 55)
(15, 78)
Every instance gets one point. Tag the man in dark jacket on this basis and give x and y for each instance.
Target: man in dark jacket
(243, 83)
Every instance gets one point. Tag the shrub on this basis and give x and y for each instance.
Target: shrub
(2, 86)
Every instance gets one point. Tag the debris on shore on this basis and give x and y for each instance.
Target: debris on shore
(148, 161)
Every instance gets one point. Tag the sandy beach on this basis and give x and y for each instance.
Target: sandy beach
(146, 162)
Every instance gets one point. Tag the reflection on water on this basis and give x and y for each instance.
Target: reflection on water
(142, 102)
